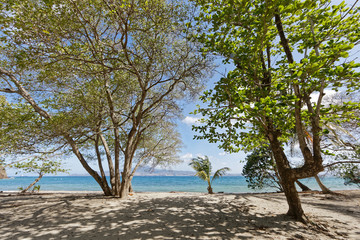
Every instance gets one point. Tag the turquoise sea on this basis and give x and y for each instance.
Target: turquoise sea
(228, 184)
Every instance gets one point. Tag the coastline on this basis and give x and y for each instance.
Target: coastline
(175, 215)
(228, 184)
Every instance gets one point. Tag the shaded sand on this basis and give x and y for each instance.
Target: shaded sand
(176, 216)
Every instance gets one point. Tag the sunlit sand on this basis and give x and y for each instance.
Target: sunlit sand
(89, 215)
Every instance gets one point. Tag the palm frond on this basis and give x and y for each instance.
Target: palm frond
(202, 175)
(202, 166)
(219, 173)
(196, 165)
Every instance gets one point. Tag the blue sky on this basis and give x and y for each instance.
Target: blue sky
(193, 148)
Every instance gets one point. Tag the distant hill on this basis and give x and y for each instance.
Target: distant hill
(146, 171)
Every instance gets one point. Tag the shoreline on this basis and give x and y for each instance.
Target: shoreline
(170, 192)
(226, 184)
(176, 215)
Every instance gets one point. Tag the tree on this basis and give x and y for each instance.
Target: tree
(346, 166)
(24, 135)
(271, 90)
(102, 76)
(342, 142)
(202, 166)
(351, 174)
(38, 165)
(260, 170)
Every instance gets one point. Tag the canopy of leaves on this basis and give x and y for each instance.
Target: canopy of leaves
(40, 166)
(95, 66)
(261, 88)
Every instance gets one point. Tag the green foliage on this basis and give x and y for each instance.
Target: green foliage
(260, 170)
(24, 132)
(350, 172)
(203, 168)
(39, 165)
(36, 188)
(259, 90)
(348, 166)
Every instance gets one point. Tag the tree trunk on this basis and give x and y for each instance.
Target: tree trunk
(33, 183)
(131, 190)
(78, 154)
(3, 174)
(103, 177)
(293, 200)
(210, 190)
(302, 186)
(125, 185)
(324, 189)
(129, 154)
(287, 179)
(110, 163)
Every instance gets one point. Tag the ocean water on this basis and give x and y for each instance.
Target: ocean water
(228, 184)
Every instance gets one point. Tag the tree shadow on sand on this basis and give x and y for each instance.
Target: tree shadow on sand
(99, 217)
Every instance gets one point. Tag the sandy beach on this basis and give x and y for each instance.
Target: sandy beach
(178, 215)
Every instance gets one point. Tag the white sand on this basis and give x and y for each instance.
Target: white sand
(90, 215)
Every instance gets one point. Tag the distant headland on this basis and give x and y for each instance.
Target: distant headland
(147, 171)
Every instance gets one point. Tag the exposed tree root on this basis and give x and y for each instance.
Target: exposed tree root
(310, 223)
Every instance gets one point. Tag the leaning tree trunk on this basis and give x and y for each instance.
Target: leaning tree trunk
(131, 190)
(33, 183)
(302, 186)
(324, 189)
(210, 190)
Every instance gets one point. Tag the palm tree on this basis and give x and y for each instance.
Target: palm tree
(202, 166)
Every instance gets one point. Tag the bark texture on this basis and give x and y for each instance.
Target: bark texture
(3, 174)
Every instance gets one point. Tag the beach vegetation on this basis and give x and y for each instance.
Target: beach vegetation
(40, 166)
(103, 78)
(348, 167)
(203, 168)
(343, 142)
(260, 171)
(287, 57)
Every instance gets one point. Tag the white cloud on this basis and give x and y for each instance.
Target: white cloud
(222, 154)
(187, 156)
(191, 120)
